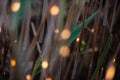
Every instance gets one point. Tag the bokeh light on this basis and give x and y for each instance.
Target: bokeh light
(15, 6)
(15, 41)
(44, 64)
(28, 77)
(114, 60)
(110, 72)
(77, 39)
(64, 51)
(56, 31)
(65, 34)
(13, 62)
(92, 30)
(48, 78)
(54, 10)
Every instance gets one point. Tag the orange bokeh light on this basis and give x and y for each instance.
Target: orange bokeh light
(13, 62)
(92, 30)
(54, 10)
(28, 77)
(64, 51)
(48, 78)
(110, 72)
(65, 34)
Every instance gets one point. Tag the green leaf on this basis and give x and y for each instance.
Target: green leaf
(83, 45)
(106, 48)
(82, 49)
(75, 33)
(37, 68)
(38, 71)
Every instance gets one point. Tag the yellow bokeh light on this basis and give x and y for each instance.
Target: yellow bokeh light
(56, 31)
(64, 51)
(48, 78)
(44, 64)
(77, 39)
(28, 77)
(92, 30)
(13, 62)
(15, 6)
(54, 10)
(110, 72)
(65, 34)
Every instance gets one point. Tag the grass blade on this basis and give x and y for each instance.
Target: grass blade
(75, 33)
(106, 48)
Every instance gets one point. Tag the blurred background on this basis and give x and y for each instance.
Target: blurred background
(59, 39)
